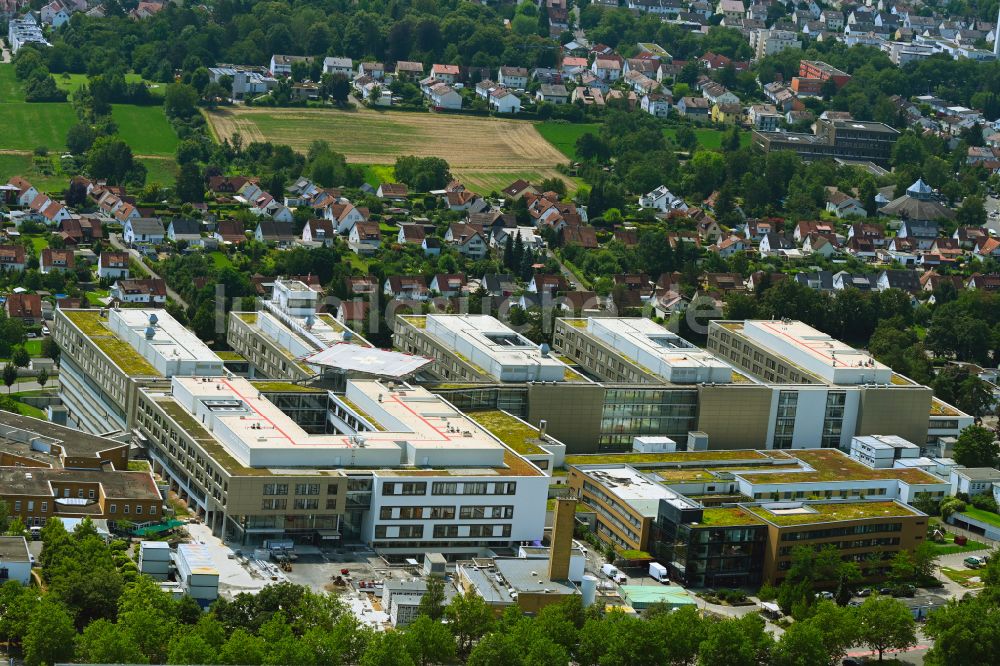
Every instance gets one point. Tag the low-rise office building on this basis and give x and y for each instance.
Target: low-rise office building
(386, 463)
(860, 140)
(15, 560)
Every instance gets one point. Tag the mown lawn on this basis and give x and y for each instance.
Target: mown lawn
(145, 129)
(161, 170)
(564, 135)
(220, 260)
(71, 82)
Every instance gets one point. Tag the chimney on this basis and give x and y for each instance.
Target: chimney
(561, 544)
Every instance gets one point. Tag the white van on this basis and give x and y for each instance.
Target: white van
(612, 572)
(658, 572)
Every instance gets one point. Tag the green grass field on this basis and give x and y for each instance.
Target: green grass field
(161, 170)
(220, 260)
(25, 126)
(564, 135)
(376, 174)
(145, 129)
(24, 165)
(71, 82)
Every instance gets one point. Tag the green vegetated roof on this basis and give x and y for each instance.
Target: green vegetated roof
(248, 317)
(120, 352)
(513, 432)
(415, 320)
(360, 412)
(832, 465)
(205, 440)
(985, 516)
(663, 458)
(230, 356)
(728, 516)
(836, 511)
(284, 387)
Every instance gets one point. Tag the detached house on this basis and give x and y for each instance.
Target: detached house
(842, 205)
(344, 216)
(448, 285)
(406, 287)
(606, 68)
(184, 230)
(392, 191)
(271, 231)
(445, 73)
(465, 201)
(513, 77)
(444, 96)
(775, 244)
(696, 108)
(343, 66)
(468, 239)
(12, 258)
(151, 291)
(142, 230)
(25, 307)
(317, 231)
(55, 261)
(26, 192)
(365, 237)
(412, 234)
(908, 281)
(727, 247)
(230, 231)
(656, 104)
(112, 265)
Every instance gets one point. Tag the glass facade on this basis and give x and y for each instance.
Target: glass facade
(646, 411)
(784, 425)
(833, 419)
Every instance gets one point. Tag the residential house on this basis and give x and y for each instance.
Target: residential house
(151, 291)
(923, 233)
(183, 230)
(342, 66)
(465, 201)
(112, 265)
(552, 93)
(706, 226)
(774, 244)
(662, 200)
(518, 189)
(764, 117)
(627, 236)
(588, 96)
(987, 248)
(547, 284)
(344, 216)
(528, 235)
(730, 9)
(580, 235)
(727, 114)
(908, 281)
(55, 261)
(142, 230)
(716, 93)
(353, 314)
(503, 100)
(825, 245)
(281, 65)
(445, 73)
(513, 77)
(845, 280)
(656, 104)
(755, 229)
(574, 66)
(431, 245)
(444, 96)
(230, 231)
(25, 307)
(281, 234)
(804, 228)
(375, 70)
(818, 280)
(729, 246)
(365, 237)
(723, 282)
(392, 191)
(448, 285)
(843, 205)
(406, 287)
(406, 69)
(969, 237)
(318, 231)
(607, 68)
(696, 108)
(26, 192)
(867, 231)
(499, 285)
(412, 234)
(361, 285)
(468, 239)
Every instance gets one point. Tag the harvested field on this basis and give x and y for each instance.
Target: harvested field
(485, 150)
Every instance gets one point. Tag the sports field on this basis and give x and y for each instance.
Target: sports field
(486, 153)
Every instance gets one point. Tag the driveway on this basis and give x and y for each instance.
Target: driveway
(173, 295)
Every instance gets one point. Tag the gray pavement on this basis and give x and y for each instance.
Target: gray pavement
(134, 254)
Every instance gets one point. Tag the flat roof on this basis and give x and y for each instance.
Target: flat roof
(116, 484)
(979, 473)
(636, 489)
(672, 595)
(885, 442)
(369, 360)
(14, 549)
(826, 465)
(124, 356)
(820, 354)
(159, 337)
(31, 437)
(531, 575)
(784, 514)
(512, 431)
(415, 428)
(658, 350)
(491, 345)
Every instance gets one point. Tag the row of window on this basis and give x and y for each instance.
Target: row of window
(445, 512)
(43, 507)
(300, 488)
(450, 488)
(442, 531)
(299, 504)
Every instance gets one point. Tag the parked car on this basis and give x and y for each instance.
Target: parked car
(865, 592)
(905, 590)
(825, 595)
(974, 562)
